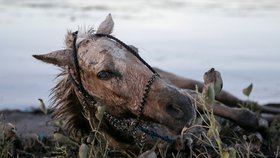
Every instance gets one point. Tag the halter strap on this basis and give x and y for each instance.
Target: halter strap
(87, 98)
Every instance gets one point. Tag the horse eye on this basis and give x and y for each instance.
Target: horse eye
(105, 75)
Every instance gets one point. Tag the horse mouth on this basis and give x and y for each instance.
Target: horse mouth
(143, 129)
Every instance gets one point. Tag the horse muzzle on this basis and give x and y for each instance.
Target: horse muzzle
(171, 108)
(179, 107)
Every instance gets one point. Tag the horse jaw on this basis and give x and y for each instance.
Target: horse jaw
(60, 58)
(106, 27)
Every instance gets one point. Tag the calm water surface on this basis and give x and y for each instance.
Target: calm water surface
(239, 38)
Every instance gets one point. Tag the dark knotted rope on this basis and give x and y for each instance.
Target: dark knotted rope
(87, 98)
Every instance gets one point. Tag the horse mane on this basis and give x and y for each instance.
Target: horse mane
(83, 33)
(67, 107)
(64, 101)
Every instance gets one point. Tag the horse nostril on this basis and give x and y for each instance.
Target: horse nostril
(175, 111)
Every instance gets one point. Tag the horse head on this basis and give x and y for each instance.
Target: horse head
(116, 76)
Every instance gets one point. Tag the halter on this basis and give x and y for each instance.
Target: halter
(89, 101)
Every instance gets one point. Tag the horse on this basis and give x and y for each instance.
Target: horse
(98, 70)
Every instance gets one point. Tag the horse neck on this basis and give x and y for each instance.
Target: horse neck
(67, 106)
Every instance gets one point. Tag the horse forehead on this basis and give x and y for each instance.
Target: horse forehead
(102, 51)
(113, 49)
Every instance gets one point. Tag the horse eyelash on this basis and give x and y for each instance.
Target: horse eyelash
(111, 73)
(101, 75)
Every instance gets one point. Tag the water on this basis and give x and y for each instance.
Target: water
(239, 38)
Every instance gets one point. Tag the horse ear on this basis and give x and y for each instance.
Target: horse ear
(60, 58)
(106, 26)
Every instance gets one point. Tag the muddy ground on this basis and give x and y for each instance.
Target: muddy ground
(35, 138)
(28, 123)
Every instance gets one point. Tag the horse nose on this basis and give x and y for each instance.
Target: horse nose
(180, 108)
(175, 111)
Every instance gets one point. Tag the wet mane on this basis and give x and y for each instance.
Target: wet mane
(83, 33)
(64, 100)
(67, 106)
